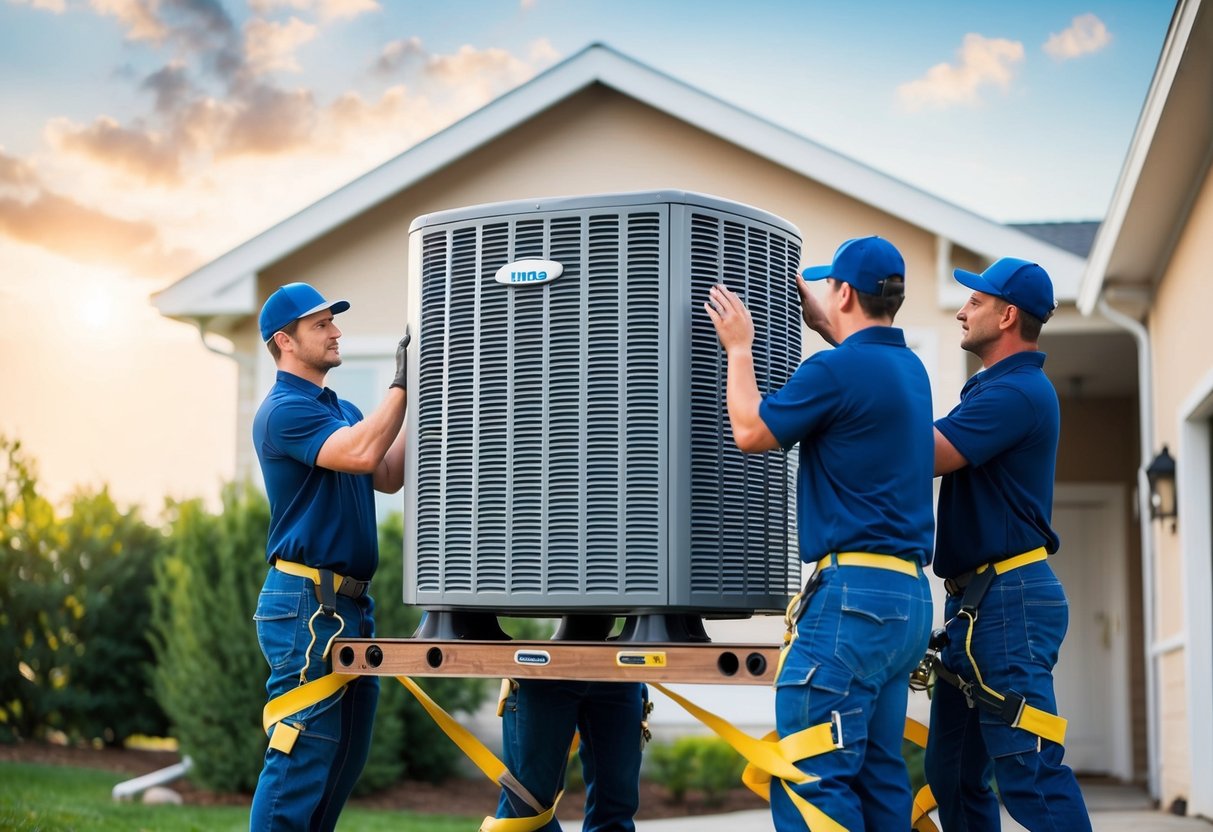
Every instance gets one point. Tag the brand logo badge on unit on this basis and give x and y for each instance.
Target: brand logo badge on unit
(529, 272)
(539, 657)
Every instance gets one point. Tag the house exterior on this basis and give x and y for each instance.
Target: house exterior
(602, 123)
(1149, 271)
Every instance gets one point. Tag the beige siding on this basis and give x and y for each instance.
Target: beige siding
(1179, 313)
(1175, 780)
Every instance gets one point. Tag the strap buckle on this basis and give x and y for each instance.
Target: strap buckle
(836, 729)
(326, 593)
(1012, 708)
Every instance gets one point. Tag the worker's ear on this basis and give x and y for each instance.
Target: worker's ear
(1009, 319)
(846, 296)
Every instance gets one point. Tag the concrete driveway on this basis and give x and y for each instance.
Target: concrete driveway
(1114, 808)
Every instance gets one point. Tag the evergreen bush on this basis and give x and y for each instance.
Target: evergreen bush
(706, 764)
(404, 732)
(32, 624)
(107, 568)
(210, 676)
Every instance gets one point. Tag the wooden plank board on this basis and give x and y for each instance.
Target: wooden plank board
(707, 663)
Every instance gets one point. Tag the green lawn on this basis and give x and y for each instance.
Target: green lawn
(41, 798)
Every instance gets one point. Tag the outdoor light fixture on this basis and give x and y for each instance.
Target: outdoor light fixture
(1161, 475)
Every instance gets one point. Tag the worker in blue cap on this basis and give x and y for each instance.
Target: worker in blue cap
(322, 461)
(994, 712)
(861, 414)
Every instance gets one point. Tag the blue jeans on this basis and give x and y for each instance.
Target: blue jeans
(862, 633)
(537, 730)
(1020, 626)
(306, 789)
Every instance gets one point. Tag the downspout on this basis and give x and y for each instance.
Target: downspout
(202, 323)
(1145, 386)
(245, 368)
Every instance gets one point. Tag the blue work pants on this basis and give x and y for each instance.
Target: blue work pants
(863, 631)
(538, 723)
(307, 788)
(1020, 626)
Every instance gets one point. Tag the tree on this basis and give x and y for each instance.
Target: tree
(32, 624)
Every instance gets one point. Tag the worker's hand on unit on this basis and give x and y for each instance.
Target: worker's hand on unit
(402, 364)
(734, 326)
(811, 310)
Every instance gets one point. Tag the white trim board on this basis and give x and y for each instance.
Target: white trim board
(1194, 473)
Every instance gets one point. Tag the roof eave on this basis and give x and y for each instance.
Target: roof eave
(1156, 183)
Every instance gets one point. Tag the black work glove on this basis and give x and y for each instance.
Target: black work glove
(402, 364)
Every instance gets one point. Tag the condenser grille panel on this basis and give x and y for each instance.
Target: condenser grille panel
(742, 506)
(548, 481)
(644, 303)
(430, 396)
(569, 439)
(566, 410)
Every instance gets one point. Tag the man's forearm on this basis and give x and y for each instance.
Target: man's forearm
(360, 448)
(749, 431)
(389, 476)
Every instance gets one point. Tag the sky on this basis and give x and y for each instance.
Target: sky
(140, 139)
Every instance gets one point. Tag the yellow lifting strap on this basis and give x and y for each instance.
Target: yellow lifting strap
(772, 757)
(1041, 723)
(924, 801)
(304, 696)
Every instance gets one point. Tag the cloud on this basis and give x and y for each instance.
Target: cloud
(270, 46)
(982, 62)
(224, 147)
(153, 157)
(56, 6)
(326, 9)
(393, 57)
(14, 172)
(197, 25)
(66, 227)
(171, 86)
(138, 17)
(1087, 34)
(335, 9)
(472, 77)
(268, 120)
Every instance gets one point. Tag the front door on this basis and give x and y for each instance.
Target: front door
(1091, 678)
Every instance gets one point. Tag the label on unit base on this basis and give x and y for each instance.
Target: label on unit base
(640, 659)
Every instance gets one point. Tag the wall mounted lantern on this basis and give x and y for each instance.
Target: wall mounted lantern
(1161, 475)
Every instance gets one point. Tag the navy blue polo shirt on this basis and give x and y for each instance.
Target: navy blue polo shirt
(862, 415)
(1001, 503)
(318, 517)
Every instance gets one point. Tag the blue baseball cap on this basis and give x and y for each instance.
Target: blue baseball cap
(864, 262)
(1018, 282)
(292, 302)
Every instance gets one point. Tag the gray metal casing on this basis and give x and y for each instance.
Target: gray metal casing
(569, 448)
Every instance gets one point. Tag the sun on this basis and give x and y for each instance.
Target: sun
(96, 309)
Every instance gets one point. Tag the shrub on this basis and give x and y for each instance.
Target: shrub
(107, 567)
(706, 764)
(671, 765)
(406, 740)
(210, 676)
(74, 647)
(32, 627)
